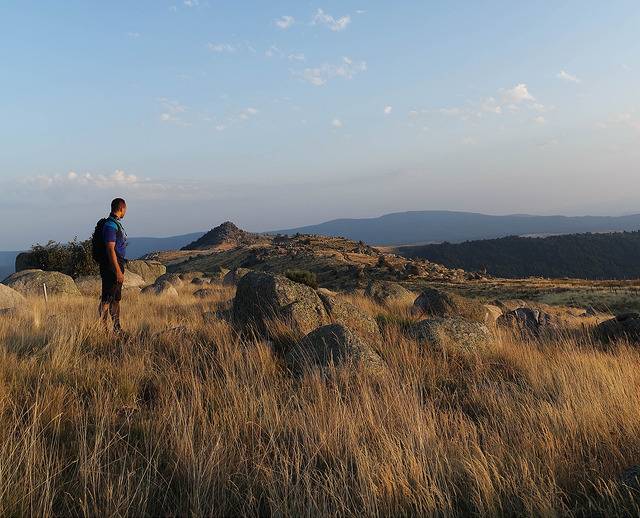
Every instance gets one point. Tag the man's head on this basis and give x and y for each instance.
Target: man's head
(118, 208)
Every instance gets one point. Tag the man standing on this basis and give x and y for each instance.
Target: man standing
(114, 240)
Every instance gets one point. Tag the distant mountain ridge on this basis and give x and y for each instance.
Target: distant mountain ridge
(582, 256)
(403, 228)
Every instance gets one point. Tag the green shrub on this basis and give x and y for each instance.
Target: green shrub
(302, 277)
(73, 258)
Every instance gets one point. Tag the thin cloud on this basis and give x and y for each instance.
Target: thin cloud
(337, 123)
(517, 94)
(172, 111)
(285, 22)
(387, 110)
(566, 76)
(319, 76)
(221, 48)
(336, 25)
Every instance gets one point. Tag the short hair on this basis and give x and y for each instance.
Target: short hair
(117, 204)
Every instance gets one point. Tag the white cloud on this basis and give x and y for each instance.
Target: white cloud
(566, 76)
(191, 3)
(98, 181)
(273, 51)
(285, 22)
(296, 56)
(540, 120)
(453, 112)
(490, 105)
(221, 48)
(387, 110)
(336, 25)
(337, 123)
(172, 111)
(517, 95)
(319, 76)
(221, 127)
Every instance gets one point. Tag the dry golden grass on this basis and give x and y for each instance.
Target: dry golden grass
(185, 418)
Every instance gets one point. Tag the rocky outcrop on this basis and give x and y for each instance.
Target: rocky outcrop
(10, 298)
(528, 321)
(161, 289)
(262, 297)
(436, 303)
(333, 344)
(439, 333)
(201, 281)
(343, 312)
(31, 282)
(203, 293)
(233, 277)
(623, 327)
(225, 234)
(149, 271)
(384, 292)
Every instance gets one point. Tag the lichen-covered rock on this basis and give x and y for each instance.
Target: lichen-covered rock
(625, 326)
(333, 344)
(189, 276)
(438, 333)
(172, 278)
(31, 282)
(343, 312)
(161, 289)
(232, 278)
(10, 298)
(436, 303)
(149, 271)
(262, 297)
(492, 315)
(384, 292)
(201, 281)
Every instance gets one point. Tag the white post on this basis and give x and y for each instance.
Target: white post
(46, 298)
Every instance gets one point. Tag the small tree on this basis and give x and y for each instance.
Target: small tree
(73, 258)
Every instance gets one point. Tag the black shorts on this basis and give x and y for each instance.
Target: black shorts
(111, 288)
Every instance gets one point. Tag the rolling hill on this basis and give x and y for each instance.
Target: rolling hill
(416, 227)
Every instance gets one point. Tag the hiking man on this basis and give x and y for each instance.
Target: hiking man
(110, 246)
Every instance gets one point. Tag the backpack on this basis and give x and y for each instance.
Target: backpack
(98, 248)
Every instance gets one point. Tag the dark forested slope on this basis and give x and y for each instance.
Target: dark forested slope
(586, 256)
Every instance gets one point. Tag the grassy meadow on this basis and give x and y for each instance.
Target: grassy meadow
(184, 417)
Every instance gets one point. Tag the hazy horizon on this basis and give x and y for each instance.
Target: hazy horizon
(291, 114)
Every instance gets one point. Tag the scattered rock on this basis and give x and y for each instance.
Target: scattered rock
(261, 297)
(172, 278)
(343, 312)
(456, 331)
(384, 292)
(189, 276)
(333, 344)
(624, 326)
(30, 282)
(149, 271)
(10, 298)
(527, 320)
(91, 285)
(161, 289)
(200, 281)
(233, 277)
(436, 303)
(203, 293)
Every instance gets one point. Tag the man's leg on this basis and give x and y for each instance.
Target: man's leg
(114, 311)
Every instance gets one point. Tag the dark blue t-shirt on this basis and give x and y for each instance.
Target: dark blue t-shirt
(113, 232)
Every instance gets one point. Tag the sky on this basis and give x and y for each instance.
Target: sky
(285, 113)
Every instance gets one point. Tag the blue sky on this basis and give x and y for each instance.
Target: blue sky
(278, 114)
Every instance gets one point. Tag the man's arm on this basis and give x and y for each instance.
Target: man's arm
(113, 259)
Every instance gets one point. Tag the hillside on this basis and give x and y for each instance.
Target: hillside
(406, 228)
(226, 234)
(585, 256)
